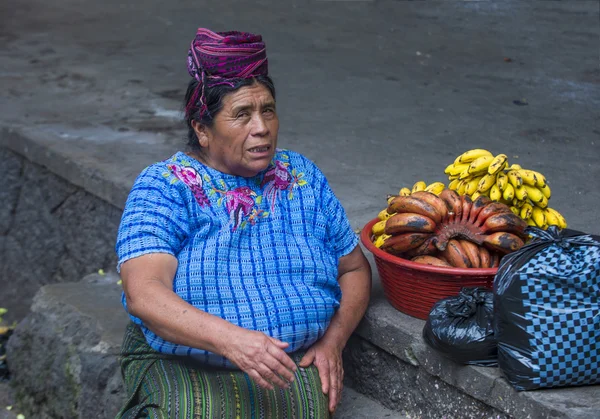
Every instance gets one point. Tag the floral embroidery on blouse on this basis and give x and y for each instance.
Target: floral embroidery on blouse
(278, 178)
(241, 203)
(192, 179)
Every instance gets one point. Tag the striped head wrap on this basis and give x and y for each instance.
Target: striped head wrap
(221, 57)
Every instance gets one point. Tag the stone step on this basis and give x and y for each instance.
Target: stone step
(355, 405)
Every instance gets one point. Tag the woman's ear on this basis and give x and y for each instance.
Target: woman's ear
(201, 133)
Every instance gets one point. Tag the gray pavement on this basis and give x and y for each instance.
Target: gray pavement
(379, 94)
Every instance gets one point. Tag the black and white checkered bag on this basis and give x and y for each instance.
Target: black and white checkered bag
(547, 312)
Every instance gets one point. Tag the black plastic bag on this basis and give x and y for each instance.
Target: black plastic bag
(547, 311)
(461, 327)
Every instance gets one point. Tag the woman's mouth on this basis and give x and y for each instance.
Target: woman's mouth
(260, 149)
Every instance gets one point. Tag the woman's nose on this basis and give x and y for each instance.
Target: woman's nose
(259, 125)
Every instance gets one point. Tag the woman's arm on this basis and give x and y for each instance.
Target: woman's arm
(148, 286)
(354, 276)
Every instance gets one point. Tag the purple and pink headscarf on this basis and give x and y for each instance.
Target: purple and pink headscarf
(220, 57)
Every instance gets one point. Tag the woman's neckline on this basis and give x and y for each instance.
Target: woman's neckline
(195, 162)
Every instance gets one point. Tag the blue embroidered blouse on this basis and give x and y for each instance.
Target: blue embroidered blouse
(259, 252)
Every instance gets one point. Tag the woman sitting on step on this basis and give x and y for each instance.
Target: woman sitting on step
(241, 273)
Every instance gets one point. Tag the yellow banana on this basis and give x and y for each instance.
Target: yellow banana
(518, 203)
(515, 167)
(469, 156)
(456, 169)
(539, 216)
(551, 218)
(381, 239)
(452, 185)
(521, 193)
(461, 187)
(480, 165)
(435, 188)
(471, 187)
(384, 214)
(514, 178)
(561, 220)
(475, 196)
(509, 192)
(501, 181)
(499, 163)
(534, 194)
(405, 192)
(528, 177)
(545, 190)
(486, 182)
(495, 193)
(530, 222)
(543, 203)
(419, 186)
(515, 210)
(541, 179)
(378, 227)
(526, 211)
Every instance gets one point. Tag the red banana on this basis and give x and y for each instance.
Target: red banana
(409, 222)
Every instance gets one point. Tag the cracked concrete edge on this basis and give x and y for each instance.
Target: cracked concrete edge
(36, 146)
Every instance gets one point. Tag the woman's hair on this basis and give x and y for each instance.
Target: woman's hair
(214, 101)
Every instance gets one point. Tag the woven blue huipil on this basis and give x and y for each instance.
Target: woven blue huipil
(260, 252)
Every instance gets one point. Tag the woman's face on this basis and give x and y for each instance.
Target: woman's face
(243, 137)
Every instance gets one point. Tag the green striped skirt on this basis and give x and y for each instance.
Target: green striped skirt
(163, 386)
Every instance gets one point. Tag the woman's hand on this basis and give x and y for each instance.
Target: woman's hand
(262, 358)
(328, 360)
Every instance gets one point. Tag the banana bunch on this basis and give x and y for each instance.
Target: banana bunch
(478, 172)
(420, 186)
(448, 229)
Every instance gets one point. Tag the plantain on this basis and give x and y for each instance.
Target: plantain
(401, 243)
(478, 204)
(456, 255)
(431, 260)
(434, 200)
(503, 242)
(413, 204)
(489, 210)
(452, 201)
(409, 222)
(484, 257)
(472, 252)
(508, 222)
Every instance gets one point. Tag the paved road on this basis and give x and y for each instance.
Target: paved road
(379, 93)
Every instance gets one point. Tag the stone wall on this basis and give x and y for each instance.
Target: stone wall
(50, 231)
